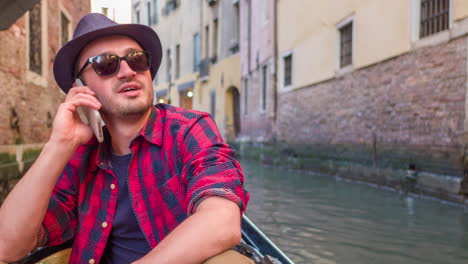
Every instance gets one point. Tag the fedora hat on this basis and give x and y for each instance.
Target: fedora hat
(93, 26)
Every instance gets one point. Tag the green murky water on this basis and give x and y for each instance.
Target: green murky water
(320, 219)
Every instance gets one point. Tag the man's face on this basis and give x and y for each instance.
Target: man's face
(125, 93)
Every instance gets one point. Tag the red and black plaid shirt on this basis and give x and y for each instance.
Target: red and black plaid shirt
(178, 160)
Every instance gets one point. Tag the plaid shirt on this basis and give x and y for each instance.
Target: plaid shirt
(178, 160)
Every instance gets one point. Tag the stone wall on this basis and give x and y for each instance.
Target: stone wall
(14, 161)
(309, 158)
(29, 103)
(408, 110)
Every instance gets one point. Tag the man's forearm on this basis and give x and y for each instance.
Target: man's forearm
(24, 208)
(213, 228)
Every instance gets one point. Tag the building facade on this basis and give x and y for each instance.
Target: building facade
(376, 82)
(201, 63)
(258, 68)
(29, 93)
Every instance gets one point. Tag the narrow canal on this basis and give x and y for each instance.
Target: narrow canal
(318, 219)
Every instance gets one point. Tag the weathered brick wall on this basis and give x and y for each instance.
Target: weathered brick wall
(409, 109)
(35, 105)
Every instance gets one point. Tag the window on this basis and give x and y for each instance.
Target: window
(148, 12)
(168, 65)
(196, 52)
(346, 45)
(264, 86)
(287, 62)
(207, 41)
(137, 14)
(246, 96)
(155, 11)
(177, 62)
(213, 103)
(215, 40)
(35, 39)
(65, 24)
(234, 45)
(434, 17)
(108, 12)
(170, 6)
(105, 11)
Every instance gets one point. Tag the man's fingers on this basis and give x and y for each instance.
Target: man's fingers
(82, 99)
(79, 89)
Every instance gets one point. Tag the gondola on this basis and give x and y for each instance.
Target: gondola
(254, 244)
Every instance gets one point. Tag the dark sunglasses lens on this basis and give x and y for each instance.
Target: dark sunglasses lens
(105, 64)
(138, 61)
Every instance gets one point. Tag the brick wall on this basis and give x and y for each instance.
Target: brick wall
(409, 109)
(35, 105)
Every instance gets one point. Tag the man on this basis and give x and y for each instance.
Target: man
(161, 188)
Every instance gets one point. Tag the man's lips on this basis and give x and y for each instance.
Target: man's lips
(129, 88)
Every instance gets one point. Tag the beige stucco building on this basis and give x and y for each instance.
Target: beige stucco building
(381, 30)
(381, 84)
(201, 66)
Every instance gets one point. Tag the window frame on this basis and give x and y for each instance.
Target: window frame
(177, 61)
(168, 65)
(433, 39)
(346, 40)
(196, 52)
(433, 15)
(67, 15)
(136, 16)
(245, 90)
(215, 38)
(40, 79)
(343, 23)
(155, 12)
(350, 20)
(148, 13)
(283, 70)
(264, 90)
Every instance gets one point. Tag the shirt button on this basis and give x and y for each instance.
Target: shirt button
(91, 261)
(112, 186)
(104, 224)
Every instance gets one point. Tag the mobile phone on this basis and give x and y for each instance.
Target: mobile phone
(91, 117)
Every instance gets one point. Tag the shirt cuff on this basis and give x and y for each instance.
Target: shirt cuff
(225, 193)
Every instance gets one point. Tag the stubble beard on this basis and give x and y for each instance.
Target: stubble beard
(129, 107)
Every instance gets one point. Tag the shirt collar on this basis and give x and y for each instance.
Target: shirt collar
(151, 132)
(153, 129)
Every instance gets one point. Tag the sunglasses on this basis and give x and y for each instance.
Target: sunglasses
(108, 64)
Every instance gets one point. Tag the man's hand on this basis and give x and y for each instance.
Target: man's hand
(68, 127)
(212, 229)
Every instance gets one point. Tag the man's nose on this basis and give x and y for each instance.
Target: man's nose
(125, 71)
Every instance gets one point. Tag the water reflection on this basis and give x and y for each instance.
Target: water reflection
(317, 219)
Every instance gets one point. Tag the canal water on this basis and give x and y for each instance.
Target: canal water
(321, 219)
